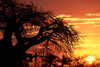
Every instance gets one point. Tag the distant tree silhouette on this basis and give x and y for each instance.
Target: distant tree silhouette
(14, 17)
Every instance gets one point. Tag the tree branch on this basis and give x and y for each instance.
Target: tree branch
(36, 41)
(2, 28)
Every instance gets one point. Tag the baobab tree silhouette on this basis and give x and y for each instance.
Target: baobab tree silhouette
(14, 17)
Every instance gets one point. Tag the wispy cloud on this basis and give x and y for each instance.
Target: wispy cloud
(90, 14)
(31, 27)
(63, 16)
(93, 33)
(70, 18)
(96, 25)
(33, 32)
(82, 19)
(84, 23)
(76, 26)
(81, 23)
(90, 34)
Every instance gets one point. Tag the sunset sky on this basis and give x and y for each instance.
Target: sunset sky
(84, 14)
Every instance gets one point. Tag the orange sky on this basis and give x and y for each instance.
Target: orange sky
(84, 14)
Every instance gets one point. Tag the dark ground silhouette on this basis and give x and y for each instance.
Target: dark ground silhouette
(14, 17)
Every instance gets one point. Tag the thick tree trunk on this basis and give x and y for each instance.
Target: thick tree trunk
(10, 59)
(9, 56)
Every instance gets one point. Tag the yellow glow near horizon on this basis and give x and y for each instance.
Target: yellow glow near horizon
(90, 59)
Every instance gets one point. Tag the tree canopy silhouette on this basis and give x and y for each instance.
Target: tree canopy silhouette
(16, 17)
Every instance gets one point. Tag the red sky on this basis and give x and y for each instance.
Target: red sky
(72, 7)
(84, 14)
